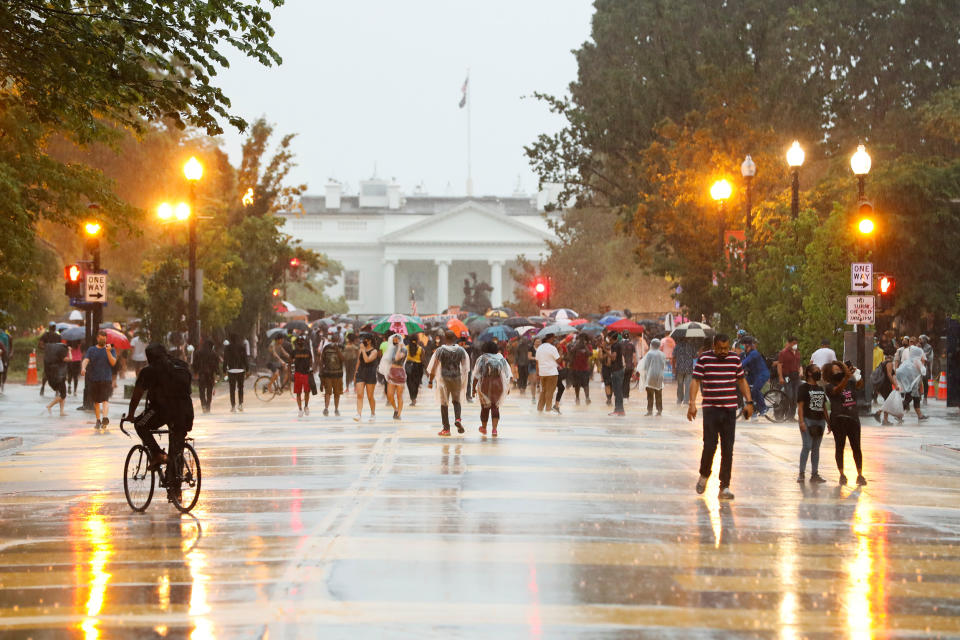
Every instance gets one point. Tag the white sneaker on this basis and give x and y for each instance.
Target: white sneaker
(372, 419)
(356, 418)
(300, 413)
(306, 411)
(240, 408)
(725, 494)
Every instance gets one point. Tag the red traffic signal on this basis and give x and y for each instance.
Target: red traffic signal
(886, 285)
(294, 263)
(541, 291)
(72, 276)
(540, 287)
(276, 293)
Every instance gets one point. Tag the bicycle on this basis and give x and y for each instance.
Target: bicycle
(139, 481)
(266, 389)
(776, 401)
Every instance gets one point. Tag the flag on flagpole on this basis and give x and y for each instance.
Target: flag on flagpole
(463, 92)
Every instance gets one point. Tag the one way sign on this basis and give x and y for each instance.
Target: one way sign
(96, 288)
(861, 276)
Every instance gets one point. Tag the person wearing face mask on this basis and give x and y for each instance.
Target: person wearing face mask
(99, 361)
(844, 419)
(788, 372)
(812, 407)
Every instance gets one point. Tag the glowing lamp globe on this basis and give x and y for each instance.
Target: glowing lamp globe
(182, 211)
(860, 161)
(193, 170)
(721, 190)
(866, 226)
(164, 211)
(92, 228)
(795, 155)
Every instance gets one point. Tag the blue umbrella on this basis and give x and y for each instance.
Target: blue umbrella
(63, 326)
(608, 320)
(500, 332)
(74, 333)
(592, 329)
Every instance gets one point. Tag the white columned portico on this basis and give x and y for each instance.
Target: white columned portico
(443, 284)
(496, 281)
(390, 286)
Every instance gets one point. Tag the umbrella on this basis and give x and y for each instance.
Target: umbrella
(74, 333)
(498, 331)
(398, 323)
(564, 315)
(63, 326)
(477, 324)
(276, 331)
(592, 329)
(537, 321)
(501, 312)
(109, 325)
(691, 330)
(117, 339)
(652, 328)
(457, 327)
(76, 314)
(516, 322)
(576, 322)
(625, 325)
(322, 322)
(609, 319)
(294, 325)
(525, 330)
(556, 330)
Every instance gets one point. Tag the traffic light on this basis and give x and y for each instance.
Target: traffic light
(541, 291)
(73, 281)
(886, 287)
(866, 224)
(276, 293)
(294, 263)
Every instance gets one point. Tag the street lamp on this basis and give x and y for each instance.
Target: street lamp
(721, 190)
(92, 230)
(795, 158)
(860, 163)
(748, 170)
(192, 171)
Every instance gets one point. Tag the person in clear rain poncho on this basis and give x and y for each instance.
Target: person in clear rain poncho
(491, 382)
(910, 377)
(652, 366)
(392, 369)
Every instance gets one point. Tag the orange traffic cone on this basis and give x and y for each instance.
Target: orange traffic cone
(942, 387)
(931, 388)
(32, 369)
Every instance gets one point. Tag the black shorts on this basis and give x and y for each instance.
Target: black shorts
(366, 375)
(580, 379)
(100, 391)
(60, 386)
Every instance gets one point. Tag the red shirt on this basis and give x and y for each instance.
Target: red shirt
(789, 361)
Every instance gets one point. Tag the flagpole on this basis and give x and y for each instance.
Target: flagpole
(469, 151)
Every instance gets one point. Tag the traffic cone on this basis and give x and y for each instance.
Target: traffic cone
(931, 388)
(32, 369)
(942, 387)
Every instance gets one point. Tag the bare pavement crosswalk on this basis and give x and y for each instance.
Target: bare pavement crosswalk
(580, 525)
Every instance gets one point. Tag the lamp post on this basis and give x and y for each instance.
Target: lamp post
(193, 171)
(860, 164)
(92, 230)
(748, 169)
(721, 191)
(795, 158)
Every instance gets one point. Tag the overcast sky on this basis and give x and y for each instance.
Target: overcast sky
(369, 83)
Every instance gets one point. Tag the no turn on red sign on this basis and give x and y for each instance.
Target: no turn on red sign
(861, 310)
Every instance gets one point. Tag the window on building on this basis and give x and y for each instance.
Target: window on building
(351, 285)
(351, 225)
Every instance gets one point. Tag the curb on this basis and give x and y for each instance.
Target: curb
(10, 442)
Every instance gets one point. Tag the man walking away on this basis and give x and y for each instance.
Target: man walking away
(629, 361)
(453, 364)
(236, 363)
(651, 368)
(302, 372)
(55, 359)
(206, 364)
(351, 352)
(683, 354)
(331, 376)
(719, 373)
(50, 336)
(548, 368)
(580, 367)
(523, 364)
(824, 355)
(99, 360)
(614, 359)
(756, 371)
(139, 356)
(788, 372)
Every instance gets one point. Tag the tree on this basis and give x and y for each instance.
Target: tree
(158, 298)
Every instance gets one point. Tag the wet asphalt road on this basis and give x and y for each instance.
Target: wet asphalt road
(572, 526)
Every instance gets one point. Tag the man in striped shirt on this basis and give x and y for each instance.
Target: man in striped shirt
(718, 373)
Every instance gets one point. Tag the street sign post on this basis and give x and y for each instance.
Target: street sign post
(861, 310)
(861, 277)
(95, 288)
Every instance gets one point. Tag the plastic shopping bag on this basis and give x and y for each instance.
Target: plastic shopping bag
(893, 404)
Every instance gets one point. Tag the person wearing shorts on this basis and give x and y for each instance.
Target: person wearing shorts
(97, 369)
(302, 371)
(331, 376)
(365, 379)
(56, 356)
(452, 363)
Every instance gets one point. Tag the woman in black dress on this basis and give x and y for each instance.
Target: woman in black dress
(365, 380)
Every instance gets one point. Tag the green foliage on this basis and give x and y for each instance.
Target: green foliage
(158, 298)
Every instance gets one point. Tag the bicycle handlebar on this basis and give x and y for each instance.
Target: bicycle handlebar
(123, 419)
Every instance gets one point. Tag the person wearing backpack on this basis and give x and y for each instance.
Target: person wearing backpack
(331, 376)
(453, 365)
(491, 379)
(166, 383)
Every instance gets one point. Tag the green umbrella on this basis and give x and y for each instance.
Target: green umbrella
(398, 323)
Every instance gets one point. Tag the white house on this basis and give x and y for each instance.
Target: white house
(397, 248)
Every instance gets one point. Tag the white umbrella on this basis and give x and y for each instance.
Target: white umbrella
(556, 329)
(76, 314)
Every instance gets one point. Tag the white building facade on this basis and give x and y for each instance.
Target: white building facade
(395, 249)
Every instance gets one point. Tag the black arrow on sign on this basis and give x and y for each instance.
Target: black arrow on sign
(861, 285)
(97, 295)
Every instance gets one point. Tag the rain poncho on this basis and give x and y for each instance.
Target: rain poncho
(492, 373)
(463, 371)
(910, 371)
(396, 354)
(652, 366)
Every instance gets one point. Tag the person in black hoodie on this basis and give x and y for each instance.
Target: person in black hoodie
(235, 363)
(206, 364)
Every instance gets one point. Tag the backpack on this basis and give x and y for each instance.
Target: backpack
(450, 360)
(175, 386)
(331, 363)
(878, 374)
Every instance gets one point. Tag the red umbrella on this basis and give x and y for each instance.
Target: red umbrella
(458, 327)
(576, 322)
(626, 325)
(117, 339)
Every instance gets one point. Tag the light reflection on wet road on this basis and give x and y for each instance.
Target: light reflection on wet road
(573, 526)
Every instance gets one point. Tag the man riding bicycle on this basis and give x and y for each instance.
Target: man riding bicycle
(279, 358)
(166, 382)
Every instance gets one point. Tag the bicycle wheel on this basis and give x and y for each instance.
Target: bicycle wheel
(137, 480)
(776, 402)
(264, 389)
(189, 466)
